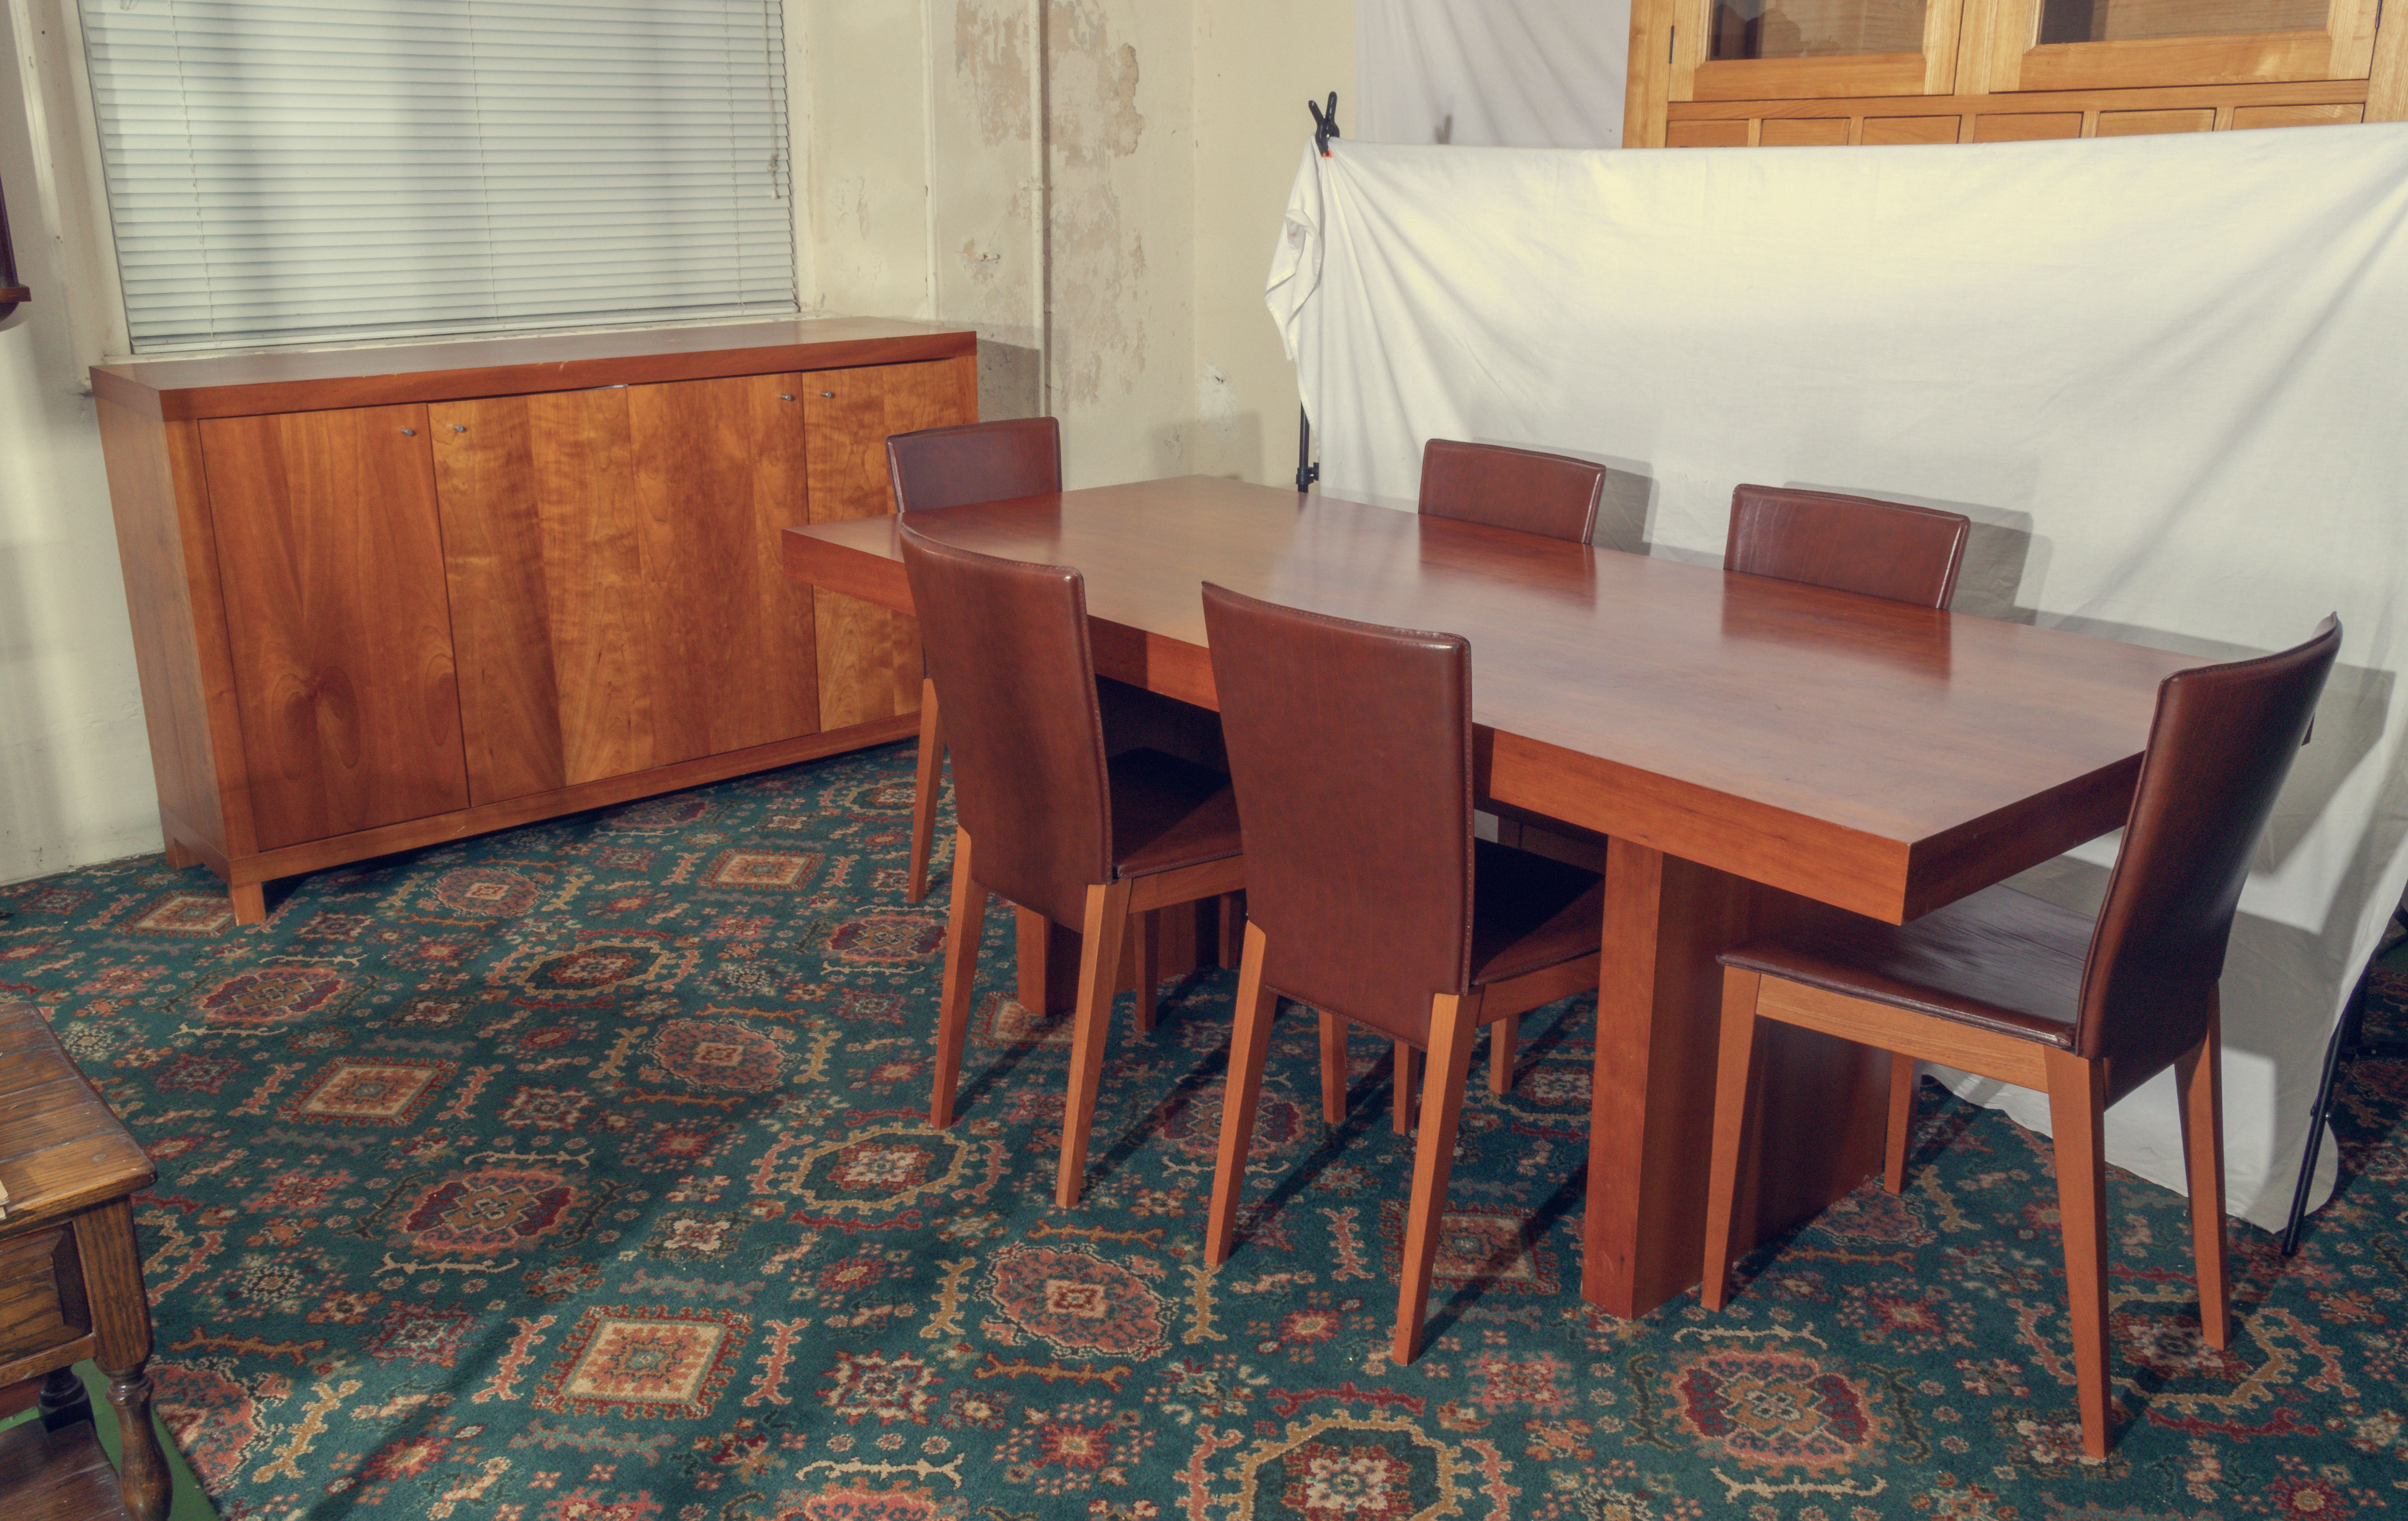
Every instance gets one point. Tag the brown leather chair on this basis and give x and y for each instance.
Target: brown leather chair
(1368, 897)
(1045, 820)
(937, 467)
(1553, 497)
(1848, 543)
(1511, 488)
(2013, 988)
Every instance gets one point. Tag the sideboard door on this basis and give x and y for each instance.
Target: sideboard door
(869, 657)
(615, 581)
(331, 561)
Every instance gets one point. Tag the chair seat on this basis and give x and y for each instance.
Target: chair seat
(1169, 813)
(1529, 913)
(2000, 960)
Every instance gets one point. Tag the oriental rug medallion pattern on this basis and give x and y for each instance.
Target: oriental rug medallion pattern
(582, 1173)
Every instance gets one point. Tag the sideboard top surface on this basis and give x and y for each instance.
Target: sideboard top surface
(244, 386)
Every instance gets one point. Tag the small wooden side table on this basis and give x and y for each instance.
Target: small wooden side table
(70, 1286)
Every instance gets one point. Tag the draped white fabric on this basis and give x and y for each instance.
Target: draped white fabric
(2163, 375)
(1492, 73)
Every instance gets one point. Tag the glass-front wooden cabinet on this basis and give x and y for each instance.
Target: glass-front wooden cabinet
(2118, 44)
(1742, 49)
(1765, 73)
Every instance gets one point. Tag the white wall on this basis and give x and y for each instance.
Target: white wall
(75, 765)
(1104, 220)
(1257, 62)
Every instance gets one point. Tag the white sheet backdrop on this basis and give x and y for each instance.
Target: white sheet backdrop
(1494, 73)
(2165, 376)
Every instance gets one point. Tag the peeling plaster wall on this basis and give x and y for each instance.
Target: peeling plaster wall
(1104, 223)
(987, 189)
(1121, 295)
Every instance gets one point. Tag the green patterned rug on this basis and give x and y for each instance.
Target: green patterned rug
(579, 1174)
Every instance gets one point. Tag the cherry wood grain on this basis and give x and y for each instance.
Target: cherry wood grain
(869, 657)
(616, 599)
(259, 698)
(167, 549)
(1875, 755)
(316, 854)
(241, 385)
(1748, 745)
(329, 555)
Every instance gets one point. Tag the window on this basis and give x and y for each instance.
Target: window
(316, 170)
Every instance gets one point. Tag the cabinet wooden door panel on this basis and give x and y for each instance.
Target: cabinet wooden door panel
(1796, 50)
(2110, 44)
(611, 556)
(869, 659)
(331, 560)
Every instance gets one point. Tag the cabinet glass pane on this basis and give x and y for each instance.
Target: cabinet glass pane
(2127, 20)
(1815, 28)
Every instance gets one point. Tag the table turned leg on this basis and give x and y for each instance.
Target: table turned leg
(121, 1314)
(64, 1401)
(1651, 1105)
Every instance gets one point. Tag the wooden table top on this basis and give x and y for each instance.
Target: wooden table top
(61, 1147)
(1883, 758)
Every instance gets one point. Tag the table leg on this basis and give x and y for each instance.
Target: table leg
(1049, 964)
(1049, 954)
(1651, 1111)
(63, 1400)
(120, 1317)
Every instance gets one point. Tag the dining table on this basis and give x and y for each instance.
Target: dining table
(1749, 750)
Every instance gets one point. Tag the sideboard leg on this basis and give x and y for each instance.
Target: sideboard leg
(249, 902)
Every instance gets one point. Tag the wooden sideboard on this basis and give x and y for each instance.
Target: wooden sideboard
(390, 597)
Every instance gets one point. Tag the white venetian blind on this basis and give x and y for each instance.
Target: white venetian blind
(282, 172)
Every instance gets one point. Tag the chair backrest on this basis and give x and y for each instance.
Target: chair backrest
(1349, 749)
(1007, 643)
(1511, 488)
(976, 462)
(2223, 740)
(1848, 543)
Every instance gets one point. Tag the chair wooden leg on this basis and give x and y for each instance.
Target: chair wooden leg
(2202, 1132)
(924, 784)
(1404, 1089)
(1503, 1036)
(1734, 1102)
(1455, 1022)
(1149, 965)
(2078, 1105)
(961, 930)
(1902, 1121)
(1333, 1067)
(1249, 1041)
(1106, 926)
